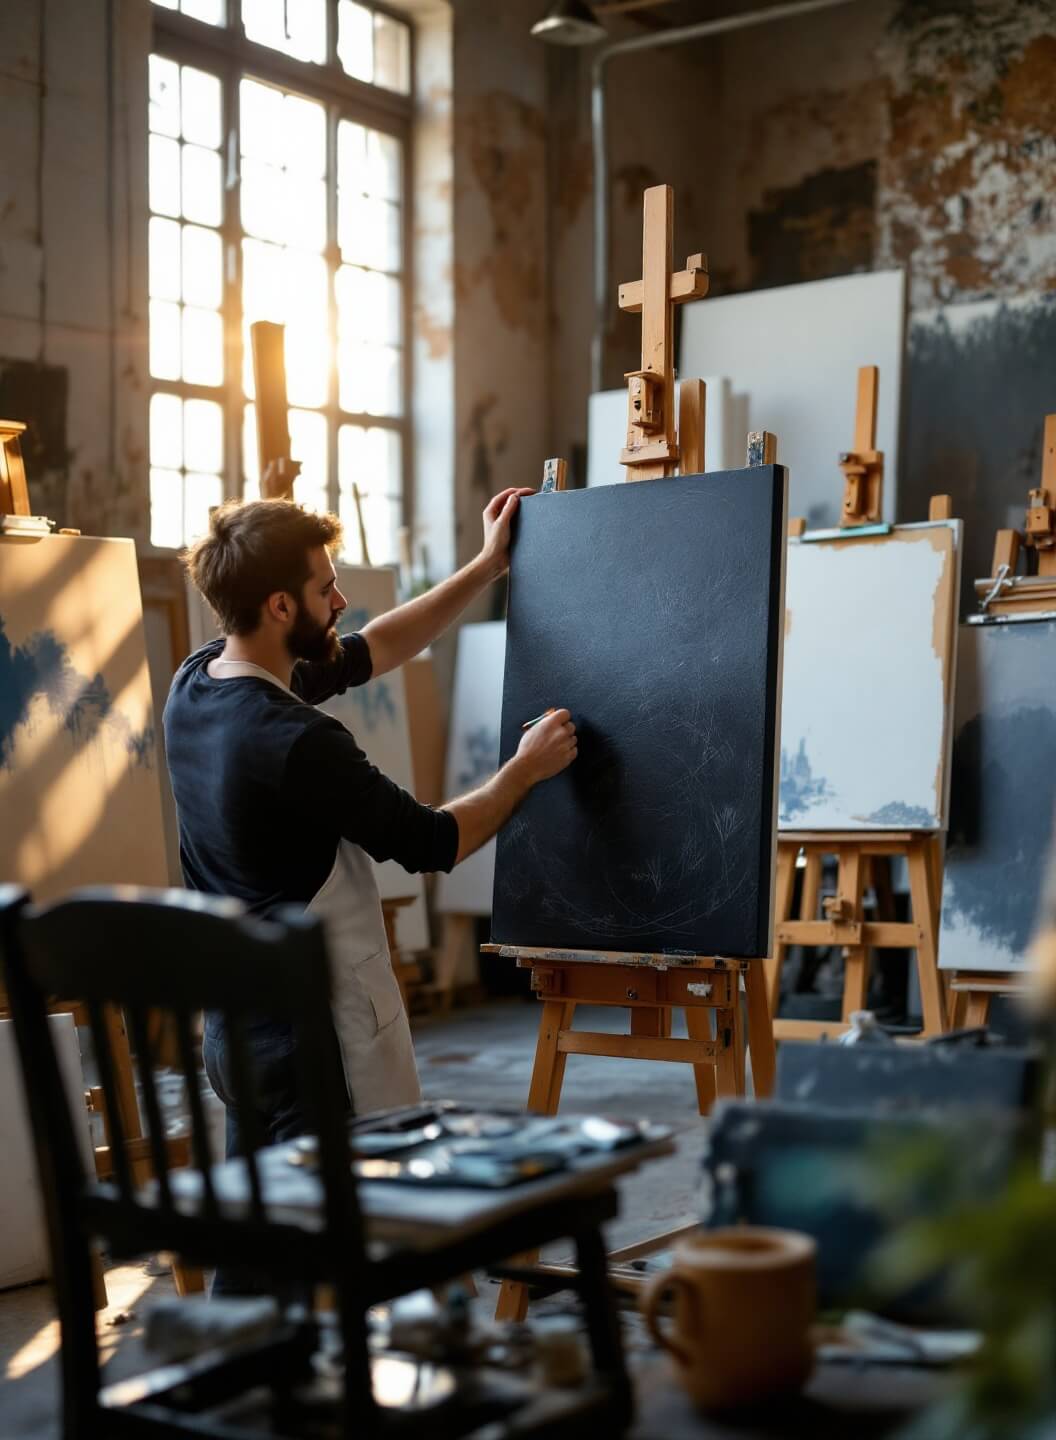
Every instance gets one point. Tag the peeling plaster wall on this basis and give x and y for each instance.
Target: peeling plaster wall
(896, 132)
(502, 430)
(73, 116)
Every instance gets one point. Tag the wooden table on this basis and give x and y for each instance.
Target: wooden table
(842, 1402)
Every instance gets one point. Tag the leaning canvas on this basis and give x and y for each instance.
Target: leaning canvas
(473, 756)
(79, 795)
(1003, 794)
(866, 708)
(652, 611)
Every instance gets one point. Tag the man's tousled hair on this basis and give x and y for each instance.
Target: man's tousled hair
(253, 549)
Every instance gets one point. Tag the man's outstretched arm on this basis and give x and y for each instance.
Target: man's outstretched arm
(545, 750)
(400, 634)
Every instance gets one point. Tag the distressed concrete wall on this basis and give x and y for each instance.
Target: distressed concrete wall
(73, 250)
(899, 132)
(501, 261)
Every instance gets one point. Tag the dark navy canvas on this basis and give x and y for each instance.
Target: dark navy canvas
(653, 611)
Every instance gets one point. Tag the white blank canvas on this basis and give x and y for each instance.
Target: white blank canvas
(870, 636)
(795, 351)
(473, 756)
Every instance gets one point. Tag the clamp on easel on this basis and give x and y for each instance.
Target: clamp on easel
(1005, 592)
(650, 986)
(863, 467)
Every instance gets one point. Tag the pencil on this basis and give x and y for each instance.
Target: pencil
(529, 723)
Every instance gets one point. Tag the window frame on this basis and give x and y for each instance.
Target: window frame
(225, 51)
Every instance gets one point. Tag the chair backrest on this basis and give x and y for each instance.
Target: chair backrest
(126, 952)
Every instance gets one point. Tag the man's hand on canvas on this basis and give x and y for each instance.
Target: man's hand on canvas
(498, 517)
(548, 747)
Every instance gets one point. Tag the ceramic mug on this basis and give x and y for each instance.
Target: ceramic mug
(745, 1299)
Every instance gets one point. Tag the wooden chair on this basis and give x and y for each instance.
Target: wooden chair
(179, 953)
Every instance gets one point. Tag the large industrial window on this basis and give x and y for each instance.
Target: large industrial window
(278, 179)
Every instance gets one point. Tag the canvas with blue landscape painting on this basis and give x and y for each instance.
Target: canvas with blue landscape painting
(866, 698)
(79, 783)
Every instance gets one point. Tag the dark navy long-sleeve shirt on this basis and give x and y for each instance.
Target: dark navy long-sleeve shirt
(266, 785)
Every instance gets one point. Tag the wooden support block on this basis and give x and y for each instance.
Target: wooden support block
(14, 491)
(762, 448)
(797, 527)
(688, 284)
(1006, 551)
(692, 412)
(940, 507)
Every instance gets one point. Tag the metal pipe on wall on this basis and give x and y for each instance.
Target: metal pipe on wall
(721, 26)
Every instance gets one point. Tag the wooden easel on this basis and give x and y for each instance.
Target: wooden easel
(650, 985)
(1008, 593)
(862, 856)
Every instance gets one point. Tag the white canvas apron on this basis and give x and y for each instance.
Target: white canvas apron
(368, 1010)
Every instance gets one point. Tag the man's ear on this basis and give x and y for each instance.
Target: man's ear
(280, 607)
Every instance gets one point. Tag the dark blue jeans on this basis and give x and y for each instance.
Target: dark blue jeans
(276, 1104)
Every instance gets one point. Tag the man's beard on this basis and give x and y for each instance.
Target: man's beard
(308, 640)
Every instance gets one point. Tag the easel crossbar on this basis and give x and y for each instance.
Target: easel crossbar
(636, 1047)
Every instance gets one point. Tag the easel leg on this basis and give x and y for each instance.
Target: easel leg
(544, 1097)
(760, 1032)
(548, 1072)
(786, 876)
(856, 971)
(957, 1009)
(727, 1040)
(920, 889)
(698, 1026)
(977, 1009)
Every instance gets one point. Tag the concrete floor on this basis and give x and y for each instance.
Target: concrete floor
(482, 1055)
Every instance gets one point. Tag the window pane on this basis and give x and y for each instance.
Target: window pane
(355, 40)
(392, 54)
(200, 107)
(368, 378)
(384, 163)
(164, 251)
(250, 455)
(304, 289)
(203, 347)
(307, 365)
(295, 29)
(203, 281)
(304, 133)
(201, 492)
(164, 340)
(308, 445)
(164, 175)
(166, 508)
(305, 202)
(368, 305)
(351, 156)
(166, 431)
(202, 199)
(263, 200)
(212, 12)
(263, 279)
(168, 4)
(164, 96)
(368, 231)
(203, 428)
(371, 459)
(260, 120)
